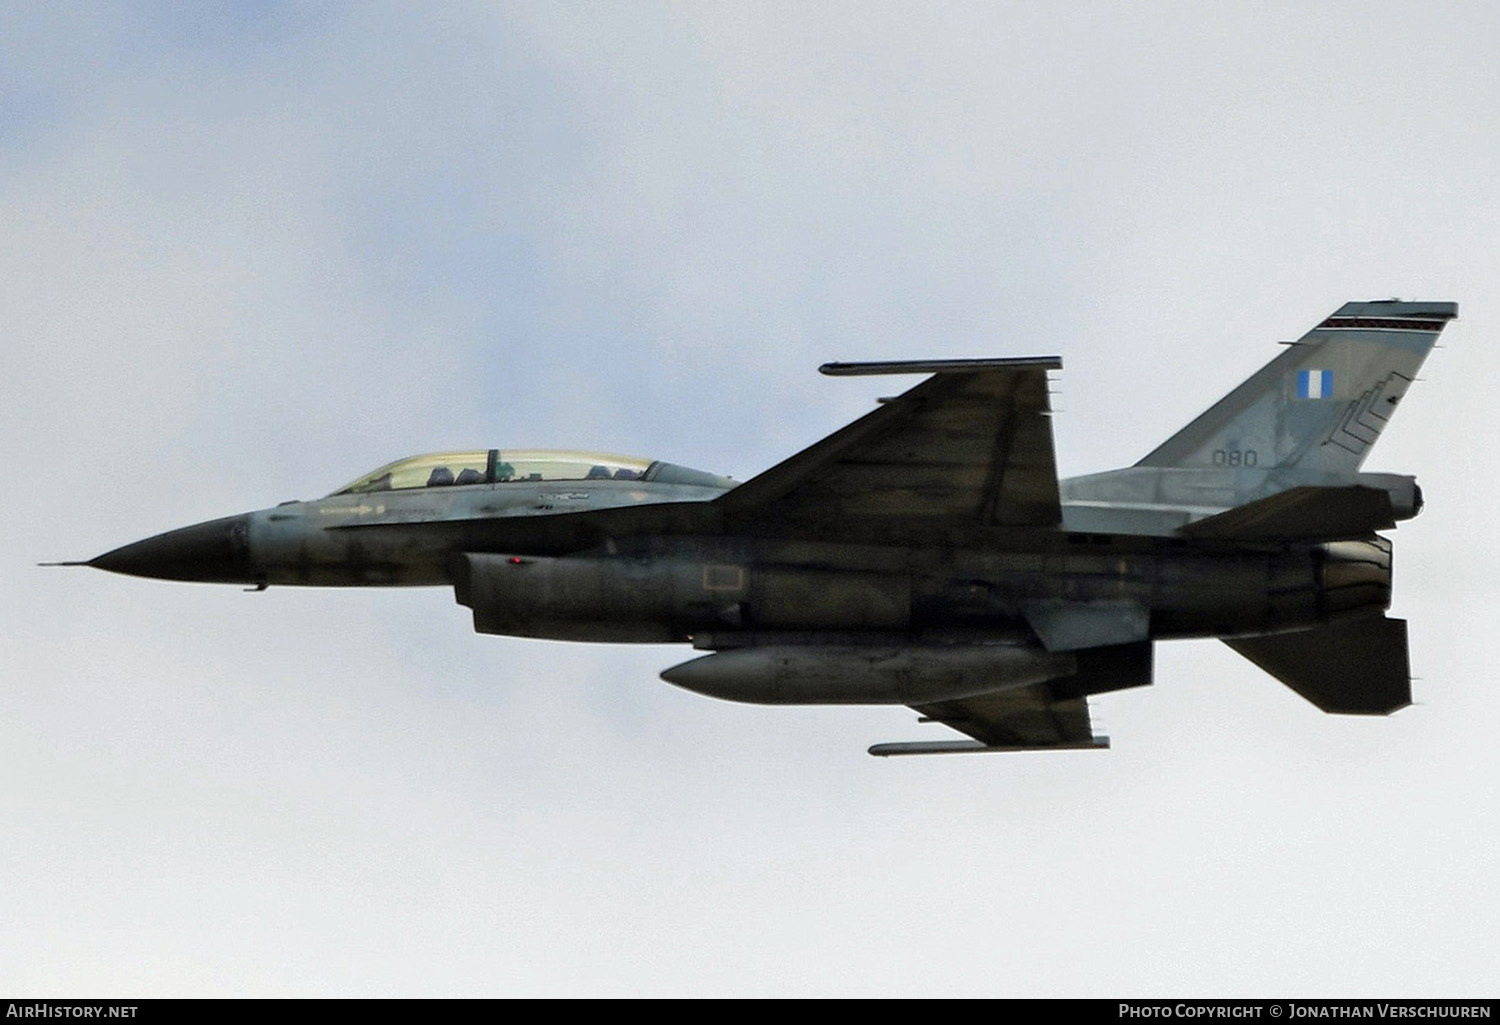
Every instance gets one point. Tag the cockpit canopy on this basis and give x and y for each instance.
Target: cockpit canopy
(494, 466)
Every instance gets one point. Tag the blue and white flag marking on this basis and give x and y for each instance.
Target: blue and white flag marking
(1314, 384)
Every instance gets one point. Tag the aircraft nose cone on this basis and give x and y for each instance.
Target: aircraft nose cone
(215, 552)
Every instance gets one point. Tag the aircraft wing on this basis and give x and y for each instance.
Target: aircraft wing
(971, 444)
(1020, 719)
(1038, 717)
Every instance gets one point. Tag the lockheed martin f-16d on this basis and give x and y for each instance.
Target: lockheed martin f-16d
(924, 555)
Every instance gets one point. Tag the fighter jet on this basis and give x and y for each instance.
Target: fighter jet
(924, 555)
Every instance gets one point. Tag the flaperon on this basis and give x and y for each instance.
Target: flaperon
(924, 555)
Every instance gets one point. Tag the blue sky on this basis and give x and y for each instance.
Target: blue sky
(253, 250)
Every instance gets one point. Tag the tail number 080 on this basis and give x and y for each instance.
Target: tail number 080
(1235, 457)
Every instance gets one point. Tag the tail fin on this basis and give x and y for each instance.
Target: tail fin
(1322, 404)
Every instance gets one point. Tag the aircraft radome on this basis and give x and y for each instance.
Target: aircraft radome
(924, 555)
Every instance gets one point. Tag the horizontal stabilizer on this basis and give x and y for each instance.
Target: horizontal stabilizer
(1301, 514)
(1356, 667)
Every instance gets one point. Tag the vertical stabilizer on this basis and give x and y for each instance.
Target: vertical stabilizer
(1321, 404)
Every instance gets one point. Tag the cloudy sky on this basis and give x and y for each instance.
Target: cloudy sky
(251, 250)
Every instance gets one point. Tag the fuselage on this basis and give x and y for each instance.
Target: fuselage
(500, 545)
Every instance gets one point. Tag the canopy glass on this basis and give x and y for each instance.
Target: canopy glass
(495, 466)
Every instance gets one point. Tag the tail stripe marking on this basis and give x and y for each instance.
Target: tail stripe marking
(1362, 323)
